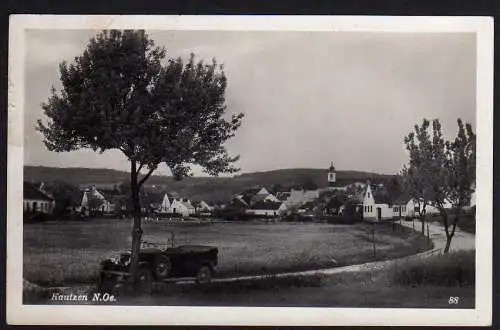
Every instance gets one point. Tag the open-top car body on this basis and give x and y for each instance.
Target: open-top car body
(185, 262)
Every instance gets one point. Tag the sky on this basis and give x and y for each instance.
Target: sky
(309, 98)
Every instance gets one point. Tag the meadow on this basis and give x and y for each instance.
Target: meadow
(66, 253)
(420, 283)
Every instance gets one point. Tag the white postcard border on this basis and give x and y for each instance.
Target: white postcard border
(17, 313)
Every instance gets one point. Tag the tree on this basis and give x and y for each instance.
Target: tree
(460, 163)
(441, 171)
(423, 168)
(122, 93)
(66, 196)
(308, 184)
(95, 204)
(394, 189)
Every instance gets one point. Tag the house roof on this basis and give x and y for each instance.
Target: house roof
(266, 205)
(251, 191)
(238, 202)
(380, 195)
(402, 199)
(259, 198)
(308, 205)
(32, 192)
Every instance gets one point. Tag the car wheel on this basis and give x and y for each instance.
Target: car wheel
(204, 275)
(143, 282)
(162, 267)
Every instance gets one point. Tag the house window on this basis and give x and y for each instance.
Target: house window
(404, 208)
(35, 206)
(371, 208)
(368, 194)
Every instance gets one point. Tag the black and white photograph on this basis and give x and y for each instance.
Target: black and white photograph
(190, 168)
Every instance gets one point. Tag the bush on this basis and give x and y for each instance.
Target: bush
(451, 269)
(35, 216)
(467, 221)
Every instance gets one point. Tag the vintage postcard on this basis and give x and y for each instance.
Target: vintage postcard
(250, 170)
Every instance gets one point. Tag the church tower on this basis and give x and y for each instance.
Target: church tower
(331, 176)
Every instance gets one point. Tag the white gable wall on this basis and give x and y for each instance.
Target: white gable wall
(263, 191)
(370, 207)
(165, 204)
(413, 208)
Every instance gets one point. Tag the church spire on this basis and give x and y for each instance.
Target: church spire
(331, 175)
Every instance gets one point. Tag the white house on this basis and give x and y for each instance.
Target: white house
(188, 207)
(299, 197)
(413, 208)
(203, 207)
(253, 194)
(264, 198)
(268, 209)
(376, 204)
(102, 204)
(37, 200)
(173, 205)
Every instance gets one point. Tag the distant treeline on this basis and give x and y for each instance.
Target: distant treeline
(209, 189)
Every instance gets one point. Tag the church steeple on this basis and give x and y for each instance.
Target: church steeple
(332, 175)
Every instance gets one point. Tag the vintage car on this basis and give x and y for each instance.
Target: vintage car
(185, 262)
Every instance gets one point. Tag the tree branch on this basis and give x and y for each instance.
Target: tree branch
(146, 177)
(140, 168)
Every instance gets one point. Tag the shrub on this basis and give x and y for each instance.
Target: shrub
(451, 269)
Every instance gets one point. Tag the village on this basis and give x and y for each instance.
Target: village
(353, 201)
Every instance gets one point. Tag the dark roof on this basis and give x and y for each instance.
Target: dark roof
(266, 206)
(258, 198)
(308, 205)
(380, 195)
(251, 191)
(402, 199)
(32, 192)
(239, 202)
(249, 194)
(336, 201)
(152, 197)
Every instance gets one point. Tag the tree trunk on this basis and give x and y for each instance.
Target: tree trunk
(448, 243)
(449, 235)
(136, 230)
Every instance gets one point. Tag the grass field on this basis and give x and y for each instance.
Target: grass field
(420, 283)
(57, 253)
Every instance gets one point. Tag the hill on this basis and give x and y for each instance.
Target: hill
(207, 188)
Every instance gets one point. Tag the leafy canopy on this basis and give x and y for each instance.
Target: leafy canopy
(122, 93)
(439, 170)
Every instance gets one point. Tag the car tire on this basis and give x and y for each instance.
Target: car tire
(204, 275)
(144, 281)
(162, 267)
